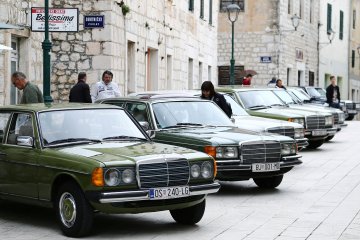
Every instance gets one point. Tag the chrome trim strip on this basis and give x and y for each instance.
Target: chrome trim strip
(144, 194)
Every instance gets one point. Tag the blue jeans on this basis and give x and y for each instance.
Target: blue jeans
(334, 105)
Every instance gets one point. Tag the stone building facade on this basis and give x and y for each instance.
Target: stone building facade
(26, 55)
(266, 41)
(354, 51)
(147, 44)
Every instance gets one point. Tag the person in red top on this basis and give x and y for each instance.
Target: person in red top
(247, 80)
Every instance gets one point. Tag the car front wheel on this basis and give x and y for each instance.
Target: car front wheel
(190, 215)
(74, 213)
(269, 182)
(315, 144)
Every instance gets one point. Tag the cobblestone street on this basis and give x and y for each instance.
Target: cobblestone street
(319, 199)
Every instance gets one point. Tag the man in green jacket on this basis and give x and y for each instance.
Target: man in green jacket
(31, 92)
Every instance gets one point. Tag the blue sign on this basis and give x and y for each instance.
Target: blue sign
(94, 21)
(266, 59)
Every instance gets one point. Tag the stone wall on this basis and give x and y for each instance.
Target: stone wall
(164, 27)
(265, 29)
(17, 12)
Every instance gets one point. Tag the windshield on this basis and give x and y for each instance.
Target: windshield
(285, 97)
(259, 99)
(312, 92)
(86, 125)
(301, 95)
(187, 113)
(236, 109)
(321, 91)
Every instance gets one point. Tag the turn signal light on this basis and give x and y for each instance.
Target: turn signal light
(215, 168)
(211, 151)
(97, 177)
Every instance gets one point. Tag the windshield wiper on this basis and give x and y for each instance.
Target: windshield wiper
(123, 137)
(183, 124)
(277, 105)
(74, 140)
(258, 107)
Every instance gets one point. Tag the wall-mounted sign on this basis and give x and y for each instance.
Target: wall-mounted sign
(60, 19)
(94, 21)
(299, 54)
(265, 59)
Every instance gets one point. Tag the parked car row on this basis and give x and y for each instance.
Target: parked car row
(152, 151)
(318, 95)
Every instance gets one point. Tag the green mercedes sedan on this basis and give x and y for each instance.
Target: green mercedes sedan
(201, 125)
(81, 159)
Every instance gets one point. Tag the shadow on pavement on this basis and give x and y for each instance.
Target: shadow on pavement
(241, 188)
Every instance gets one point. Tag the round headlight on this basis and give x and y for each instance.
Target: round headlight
(299, 133)
(206, 170)
(195, 171)
(112, 177)
(128, 176)
(285, 149)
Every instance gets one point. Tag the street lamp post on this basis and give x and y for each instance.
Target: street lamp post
(233, 13)
(46, 46)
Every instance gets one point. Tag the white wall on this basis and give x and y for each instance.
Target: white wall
(334, 57)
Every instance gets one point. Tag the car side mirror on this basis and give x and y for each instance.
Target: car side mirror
(151, 133)
(26, 141)
(144, 125)
(232, 120)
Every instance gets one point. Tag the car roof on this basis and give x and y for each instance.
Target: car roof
(38, 107)
(156, 99)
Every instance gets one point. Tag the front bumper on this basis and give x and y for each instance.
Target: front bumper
(234, 170)
(141, 195)
(331, 131)
(301, 142)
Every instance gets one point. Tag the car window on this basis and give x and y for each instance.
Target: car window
(236, 109)
(4, 118)
(21, 125)
(138, 110)
(168, 114)
(95, 124)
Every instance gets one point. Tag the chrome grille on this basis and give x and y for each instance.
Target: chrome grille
(285, 131)
(336, 118)
(164, 174)
(351, 106)
(260, 152)
(315, 122)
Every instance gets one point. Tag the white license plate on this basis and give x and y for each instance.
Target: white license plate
(265, 167)
(168, 192)
(319, 132)
(352, 111)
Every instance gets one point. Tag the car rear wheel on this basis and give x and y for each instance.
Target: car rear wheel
(315, 144)
(74, 213)
(269, 182)
(190, 215)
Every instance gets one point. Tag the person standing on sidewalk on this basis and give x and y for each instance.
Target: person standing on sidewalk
(105, 88)
(80, 92)
(31, 92)
(333, 94)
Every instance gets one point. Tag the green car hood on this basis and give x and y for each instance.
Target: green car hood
(314, 108)
(214, 136)
(128, 153)
(284, 112)
(261, 124)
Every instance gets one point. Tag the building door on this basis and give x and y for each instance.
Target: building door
(14, 93)
(152, 69)
(311, 78)
(131, 63)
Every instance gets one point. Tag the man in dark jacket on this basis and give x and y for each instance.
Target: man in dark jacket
(333, 94)
(31, 92)
(208, 92)
(81, 91)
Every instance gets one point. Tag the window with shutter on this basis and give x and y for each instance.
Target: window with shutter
(329, 13)
(341, 30)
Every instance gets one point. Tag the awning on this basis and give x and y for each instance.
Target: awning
(3, 47)
(9, 26)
